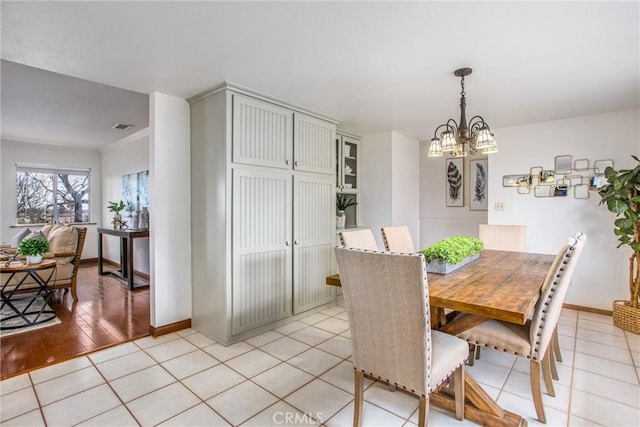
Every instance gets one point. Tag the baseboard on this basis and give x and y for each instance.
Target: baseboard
(588, 309)
(85, 262)
(167, 329)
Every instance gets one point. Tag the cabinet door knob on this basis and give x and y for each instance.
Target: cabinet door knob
(295, 163)
(286, 162)
(295, 242)
(288, 243)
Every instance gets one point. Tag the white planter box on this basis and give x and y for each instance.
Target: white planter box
(446, 268)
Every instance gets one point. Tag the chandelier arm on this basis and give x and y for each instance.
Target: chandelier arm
(478, 119)
(447, 126)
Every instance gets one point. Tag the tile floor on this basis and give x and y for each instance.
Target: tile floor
(300, 374)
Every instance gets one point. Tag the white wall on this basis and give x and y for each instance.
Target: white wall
(390, 189)
(129, 155)
(13, 152)
(437, 221)
(169, 209)
(602, 273)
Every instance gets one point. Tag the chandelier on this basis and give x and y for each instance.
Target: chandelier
(461, 139)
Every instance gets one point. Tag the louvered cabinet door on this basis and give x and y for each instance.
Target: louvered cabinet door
(262, 133)
(262, 248)
(314, 145)
(314, 240)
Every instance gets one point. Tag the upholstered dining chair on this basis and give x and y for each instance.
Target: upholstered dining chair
(533, 339)
(503, 237)
(360, 239)
(391, 338)
(398, 239)
(512, 238)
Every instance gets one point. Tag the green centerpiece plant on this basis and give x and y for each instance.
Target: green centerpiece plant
(452, 251)
(33, 248)
(621, 194)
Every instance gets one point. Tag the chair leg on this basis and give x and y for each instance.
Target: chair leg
(472, 354)
(74, 294)
(552, 363)
(458, 383)
(359, 391)
(546, 373)
(536, 392)
(423, 412)
(477, 355)
(556, 345)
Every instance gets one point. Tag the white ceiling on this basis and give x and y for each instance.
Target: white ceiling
(377, 66)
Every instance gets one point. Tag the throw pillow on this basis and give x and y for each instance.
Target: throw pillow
(20, 235)
(36, 235)
(63, 239)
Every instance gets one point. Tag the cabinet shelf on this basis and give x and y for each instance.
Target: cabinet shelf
(350, 174)
(349, 157)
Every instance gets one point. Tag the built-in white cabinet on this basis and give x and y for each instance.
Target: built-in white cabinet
(348, 173)
(314, 240)
(263, 212)
(348, 163)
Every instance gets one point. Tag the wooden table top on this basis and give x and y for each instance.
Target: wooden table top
(17, 266)
(128, 232)
(499, 285)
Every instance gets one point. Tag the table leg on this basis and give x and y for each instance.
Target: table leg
(479, 406)
(130, 262)
(124, 257)
(100, 265)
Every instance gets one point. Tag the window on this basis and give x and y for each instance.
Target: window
(48, 194)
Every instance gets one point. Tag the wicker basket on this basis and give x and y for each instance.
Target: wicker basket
(626, 317)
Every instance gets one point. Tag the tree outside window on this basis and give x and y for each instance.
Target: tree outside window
(50, 195)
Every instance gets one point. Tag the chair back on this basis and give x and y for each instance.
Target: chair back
(385, 293)
(359, 239)
(552, 294)
(398, 239)
(503, 237)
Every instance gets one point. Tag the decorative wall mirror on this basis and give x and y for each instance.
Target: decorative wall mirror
(562, 164)
(596, 182)
(547, 177)
(581, 191)
(543, 191)
(581, 164)
(515, 180)
(564, 182)
(599, 166)
(560, 190)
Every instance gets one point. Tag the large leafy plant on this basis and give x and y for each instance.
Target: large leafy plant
(453, 249)
(115, 207)
(622, 197)
(33, 246)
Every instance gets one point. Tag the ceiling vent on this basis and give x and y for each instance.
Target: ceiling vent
(121, 126)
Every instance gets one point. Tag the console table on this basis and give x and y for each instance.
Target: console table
(126, 252)
(23, 305)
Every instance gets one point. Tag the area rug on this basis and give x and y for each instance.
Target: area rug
(18, 321)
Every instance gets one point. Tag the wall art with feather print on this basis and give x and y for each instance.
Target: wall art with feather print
(478, 185)
(455, 182)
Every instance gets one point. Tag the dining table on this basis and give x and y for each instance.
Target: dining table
(499, 285)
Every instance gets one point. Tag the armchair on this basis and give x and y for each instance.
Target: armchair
(66, 243)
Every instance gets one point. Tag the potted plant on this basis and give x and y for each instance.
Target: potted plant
(452, 253)
(343, 201)
(621, 194)
(115, 208)
(33, 248)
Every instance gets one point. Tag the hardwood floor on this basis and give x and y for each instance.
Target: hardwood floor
(105, 314)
